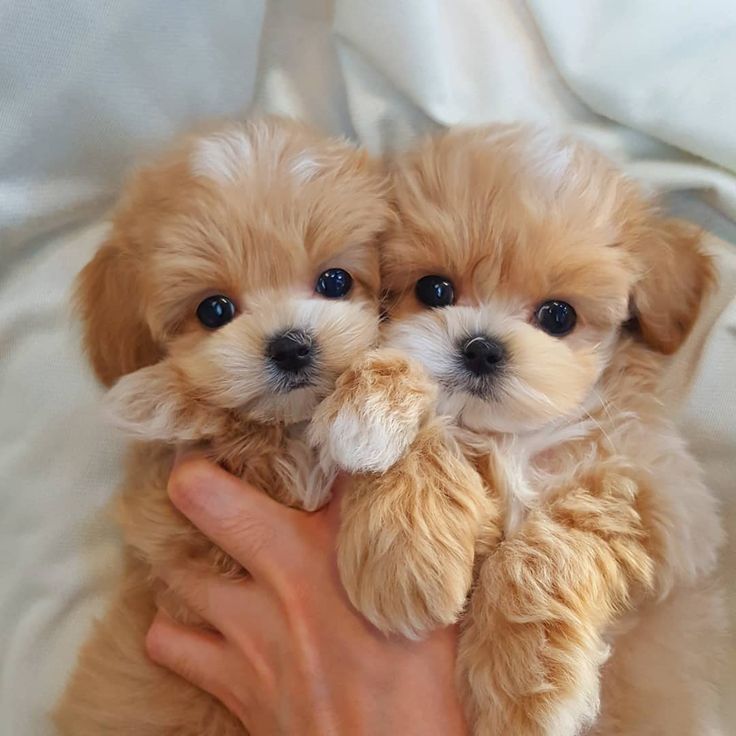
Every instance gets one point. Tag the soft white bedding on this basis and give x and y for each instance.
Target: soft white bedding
(87, 86)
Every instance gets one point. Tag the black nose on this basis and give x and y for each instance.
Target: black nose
(291, 352)
(482, 355)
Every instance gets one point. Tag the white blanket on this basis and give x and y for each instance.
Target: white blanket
(89, 86)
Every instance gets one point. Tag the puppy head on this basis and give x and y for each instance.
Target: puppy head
(516, 260)
(239, 280)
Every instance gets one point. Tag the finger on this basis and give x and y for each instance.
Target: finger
(201, 658)
(240, 610)
(194, 654)
(210, 596)
(243, 521)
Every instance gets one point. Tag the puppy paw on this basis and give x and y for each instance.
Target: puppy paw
(406, 589)
(374, 414)
(530, 657)
(407, 538)
(369, 443)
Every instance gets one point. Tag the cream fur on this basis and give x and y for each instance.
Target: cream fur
(305, 167)
(222, 157)
(370, 444)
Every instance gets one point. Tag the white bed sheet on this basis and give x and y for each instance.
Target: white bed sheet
(88, 86)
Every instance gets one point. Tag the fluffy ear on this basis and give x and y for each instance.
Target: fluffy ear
(154, 403)
(116, 338)
(676, 276)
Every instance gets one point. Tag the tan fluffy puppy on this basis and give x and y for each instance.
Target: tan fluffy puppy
(239, 280)
(542, 293)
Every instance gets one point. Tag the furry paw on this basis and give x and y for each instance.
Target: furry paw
(530, 656)
(407, 538)
(374, 414)
(369, 443)
(407, 589)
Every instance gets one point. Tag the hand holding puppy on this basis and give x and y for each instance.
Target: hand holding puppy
(290, 658)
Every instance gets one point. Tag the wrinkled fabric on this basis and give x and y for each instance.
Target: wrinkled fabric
(88, 87)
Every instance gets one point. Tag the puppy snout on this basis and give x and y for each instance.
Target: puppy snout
(482, 355)
(291, 351)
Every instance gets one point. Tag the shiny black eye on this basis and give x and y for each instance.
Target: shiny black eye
(435, 291)
(334, 283)
(215, 311)
(556, 318)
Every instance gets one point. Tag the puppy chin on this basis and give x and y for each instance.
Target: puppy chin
(293, 407)
(480, 415)
(503, 416)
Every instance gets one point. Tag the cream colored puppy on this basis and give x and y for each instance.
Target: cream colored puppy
(240, 279)
(543, 294)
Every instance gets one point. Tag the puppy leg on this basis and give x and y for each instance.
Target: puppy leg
(532, 646)
(374, 414)
(407, 537)
(117, 691)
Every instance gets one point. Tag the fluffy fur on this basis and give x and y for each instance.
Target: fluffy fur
(590, 603)
(254, 212)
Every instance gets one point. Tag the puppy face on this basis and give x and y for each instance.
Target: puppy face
(240, 279)
(516, 261)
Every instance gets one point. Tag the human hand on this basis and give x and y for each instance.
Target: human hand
(291, 655)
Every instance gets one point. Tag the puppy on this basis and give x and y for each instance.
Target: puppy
(239, 280)
(543, 295)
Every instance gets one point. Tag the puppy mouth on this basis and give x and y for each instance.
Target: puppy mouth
(486, 389)
(289, 383)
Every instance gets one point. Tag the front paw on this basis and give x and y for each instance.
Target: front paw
(374, 414)
(404, 585)
(407, 538)
(530, 653)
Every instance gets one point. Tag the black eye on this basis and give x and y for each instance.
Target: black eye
(334, 283)
(435, 291)
(556, 318)
(215, 311)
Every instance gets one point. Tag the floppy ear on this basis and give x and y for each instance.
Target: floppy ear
(676, 276)
(116, 338)
(155, 403)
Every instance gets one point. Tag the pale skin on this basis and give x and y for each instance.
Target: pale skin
(291, 655)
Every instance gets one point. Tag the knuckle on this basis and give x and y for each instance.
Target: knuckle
(296, 586)
(248, 531)
(172, 658)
